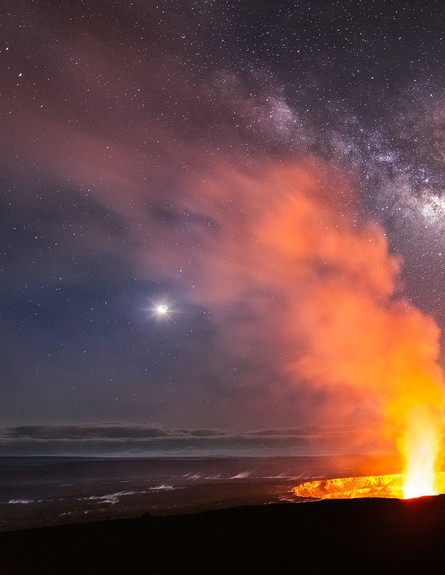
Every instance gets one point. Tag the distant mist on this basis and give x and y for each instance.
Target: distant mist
(123, 440)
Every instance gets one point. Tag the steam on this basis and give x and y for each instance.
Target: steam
(289, 242)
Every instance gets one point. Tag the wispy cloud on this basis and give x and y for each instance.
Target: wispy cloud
(127, 440)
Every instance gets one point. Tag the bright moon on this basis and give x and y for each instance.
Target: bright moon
(162, 309)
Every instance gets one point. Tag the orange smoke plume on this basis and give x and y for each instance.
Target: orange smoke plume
(344, 326)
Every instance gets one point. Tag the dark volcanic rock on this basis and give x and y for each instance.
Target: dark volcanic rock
(360, 536)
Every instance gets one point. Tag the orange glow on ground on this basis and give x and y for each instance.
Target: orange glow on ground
(387, 486)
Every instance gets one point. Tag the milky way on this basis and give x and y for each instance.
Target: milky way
(152, 155)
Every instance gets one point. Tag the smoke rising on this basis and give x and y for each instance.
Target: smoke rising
(320, 292)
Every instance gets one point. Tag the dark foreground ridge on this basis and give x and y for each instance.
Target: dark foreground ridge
(356, 537)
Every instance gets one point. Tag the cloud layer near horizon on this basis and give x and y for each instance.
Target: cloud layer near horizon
(124, 440)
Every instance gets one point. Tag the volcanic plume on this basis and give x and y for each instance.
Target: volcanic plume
(360, 334)
(341, 321)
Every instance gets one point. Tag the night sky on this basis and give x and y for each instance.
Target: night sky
(251, 165)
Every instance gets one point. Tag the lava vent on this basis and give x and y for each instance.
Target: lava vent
(388, 486)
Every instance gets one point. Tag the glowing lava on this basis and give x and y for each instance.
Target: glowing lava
(390, 486)
(420, 448)
(420, 445)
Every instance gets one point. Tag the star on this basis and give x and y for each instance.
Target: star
(162, 309)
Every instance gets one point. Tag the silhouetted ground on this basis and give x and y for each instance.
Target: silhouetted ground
(357, 537)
